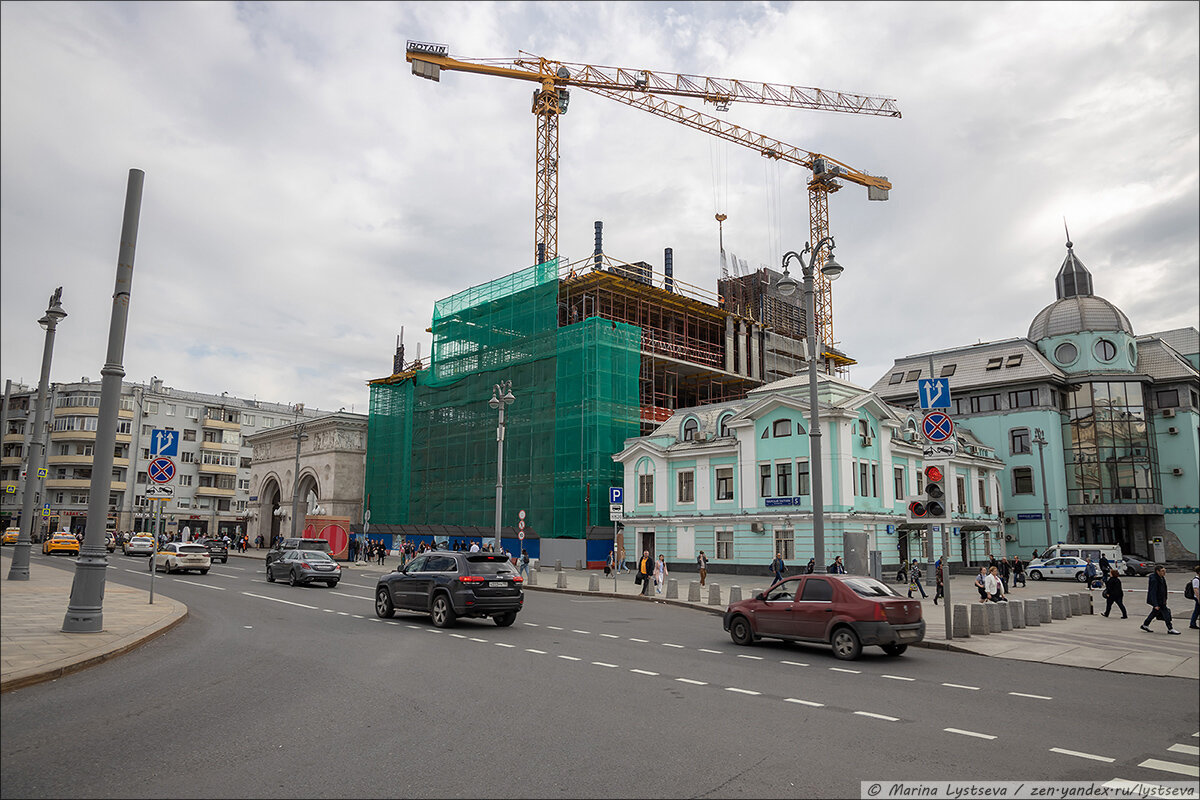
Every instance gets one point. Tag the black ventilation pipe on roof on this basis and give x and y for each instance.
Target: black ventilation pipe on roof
(669, 269)
(599, 244)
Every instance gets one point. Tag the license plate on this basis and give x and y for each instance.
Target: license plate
(908, 634)
(323, 567)
(497, 584)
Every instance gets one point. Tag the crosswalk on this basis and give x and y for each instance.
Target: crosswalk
(1189, 768)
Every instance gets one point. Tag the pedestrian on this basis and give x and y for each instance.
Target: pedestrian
(1035, 555)
(914, 579)
(702, 564)
(981, 584)
(1004, 573)
(1104, 565)
(1090, 574)
(941, 589)
(474, 547)
(645, 572)
(837, 567)
(524, 570)
(381, 552)
(1195, 585)
(610, 563)
(1156, 598)
(1114, 594)
(994, 586)
(660, 574)
(1018, 571)
(777, 568)
(811, 567)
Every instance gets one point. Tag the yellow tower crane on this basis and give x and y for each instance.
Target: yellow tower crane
(646, 89)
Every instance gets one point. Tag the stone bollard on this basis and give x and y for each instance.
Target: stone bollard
(532, 579)
(1043, 609)
(714, 594)
(558, 565)
(993, 612)
(1033, 617)
(1005, 616)
(1058, 609)
(672, 589)
(961, 621)
(735, 594)
(562, 580)
(578, 565)
(593, 583)
(1017, 610)
(1072, 605)
(1085, 603)
(537, 564)
(694, 592)
(979, 620)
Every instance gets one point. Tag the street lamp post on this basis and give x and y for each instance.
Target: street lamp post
(787, 287)
(19, 571)
(502, 397)
(299, 436)
(1039, 438)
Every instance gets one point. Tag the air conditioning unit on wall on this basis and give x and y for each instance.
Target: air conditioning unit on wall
(1168, 412)
(758, 527)
(1177, 471)
(1008, 537)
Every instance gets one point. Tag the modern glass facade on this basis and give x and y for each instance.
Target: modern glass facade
(1110, 452)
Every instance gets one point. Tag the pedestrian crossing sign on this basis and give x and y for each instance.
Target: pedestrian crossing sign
(42, 472)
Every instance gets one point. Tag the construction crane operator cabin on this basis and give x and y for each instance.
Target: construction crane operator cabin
(599, 350)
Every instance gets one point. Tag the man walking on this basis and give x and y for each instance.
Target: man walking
(524, 570)
(837, 567)
(645, 572)
(1195, 584)
(702, 563)
(777, 568)
(1156, 598)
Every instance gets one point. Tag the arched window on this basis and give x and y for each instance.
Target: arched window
(690, 428)
(723, 426)
(645, 479)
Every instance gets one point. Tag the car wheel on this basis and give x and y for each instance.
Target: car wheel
(506, 619)
(1080, 577)
(203, 572)
(383, 603)
(331, 584)
(846, 644)
(740, 631)
(895, 649)
(292, 578)
(443, 613)
(1036, 575)
(270, 575)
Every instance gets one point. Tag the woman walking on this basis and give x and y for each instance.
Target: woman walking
(1113, 593)
(660, 574)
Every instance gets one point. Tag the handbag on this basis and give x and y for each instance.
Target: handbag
(637, 578)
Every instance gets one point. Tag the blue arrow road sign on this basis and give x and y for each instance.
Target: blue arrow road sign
(935, 392)
(164, 443)
(937, 427)
(616, 495)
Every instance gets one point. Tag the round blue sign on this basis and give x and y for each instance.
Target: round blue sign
(937, 426)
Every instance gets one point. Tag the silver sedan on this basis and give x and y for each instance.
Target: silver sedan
(305, 566)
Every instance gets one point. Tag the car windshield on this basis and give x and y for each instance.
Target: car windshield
(315, 555)
(869, 587)
(192, 548)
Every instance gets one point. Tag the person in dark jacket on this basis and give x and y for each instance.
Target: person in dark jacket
(837, 567)
(1156, 598)
(1114, 594)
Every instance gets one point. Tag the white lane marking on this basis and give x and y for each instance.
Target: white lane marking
(239, 569)
(356, 585)
(205, 585)
(415, 627)
(357, 616)
(794, 663)
(530, 624)
(960, 686)
(138, 571)
(877, 716)
(483, 641)
(1078, 754)
(585, 633)
(610, 636)
(692, 682)
(531, 650)
(716, 652)
(569, 658)
(554, 627)
(220, 575)
(1191, 750)
(277, 600)
(373, 619)
(851, 671)
(351, 596)
(643, 672)
(328, 610)
(427, 630)
(1034, 696)
(753, 658)
(602, 664)
(643, 641)
(668, 644)
(741, 691)
(457, 636)
(969, 733)
(390, 621)
(803, 702)
(897, 678)
(503, 644)
(343, 613)
(1171, 766)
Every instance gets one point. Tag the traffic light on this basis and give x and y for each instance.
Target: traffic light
(936, 503)
(916, 510)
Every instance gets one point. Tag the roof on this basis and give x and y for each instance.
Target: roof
(1185, 341)
(1077, 314)
(1161, 362)
(1010, 361)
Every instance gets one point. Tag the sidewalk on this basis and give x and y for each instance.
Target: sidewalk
(33, 647)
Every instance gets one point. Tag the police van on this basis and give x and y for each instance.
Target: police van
(1085, 551)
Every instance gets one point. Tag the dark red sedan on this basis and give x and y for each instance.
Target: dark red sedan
(844, 611)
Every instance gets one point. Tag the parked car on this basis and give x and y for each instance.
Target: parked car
(844, 611)
(1138, 565)
(10, 535)
(61, 542)
(305, 566)
(140, 544)
(180, 556)
(217, 549)
(1066, 567)
(296, 544)
(448, 585)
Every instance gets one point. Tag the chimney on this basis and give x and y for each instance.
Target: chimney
(599, 245)
(155, 384)
(669, 269)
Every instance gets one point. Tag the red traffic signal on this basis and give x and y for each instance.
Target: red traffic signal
(933, 474)
(916, 509)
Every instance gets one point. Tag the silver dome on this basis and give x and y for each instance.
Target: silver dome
(1078, 314)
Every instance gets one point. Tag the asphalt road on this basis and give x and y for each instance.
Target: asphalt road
(269, 690)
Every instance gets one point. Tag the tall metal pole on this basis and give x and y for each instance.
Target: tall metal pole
(299, 436)
(85, 613)
(502, 396)
(19, 571)
(1040, 441)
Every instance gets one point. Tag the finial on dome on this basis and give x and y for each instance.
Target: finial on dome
(1069, 245)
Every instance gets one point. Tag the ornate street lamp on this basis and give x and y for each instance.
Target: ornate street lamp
(502, 397)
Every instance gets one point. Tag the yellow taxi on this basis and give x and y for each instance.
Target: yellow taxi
(10, 535)
(61, 542)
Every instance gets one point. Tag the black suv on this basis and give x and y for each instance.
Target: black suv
(284, 545)
(217, 549)
(448, 585)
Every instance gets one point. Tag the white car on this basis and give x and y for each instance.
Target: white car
(180, 556)
(139, 546)
(1067, 567)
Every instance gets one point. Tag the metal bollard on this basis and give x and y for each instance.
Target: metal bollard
(979, 620)
(562, 580)
(961, 621)
(735, 594)
(1033, 617)
(672, 589)
(694, 592)
(714, 594)
(593, 583)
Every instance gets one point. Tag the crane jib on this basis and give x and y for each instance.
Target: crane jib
(429, 48)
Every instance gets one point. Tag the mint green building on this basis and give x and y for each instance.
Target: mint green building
(1097, 426)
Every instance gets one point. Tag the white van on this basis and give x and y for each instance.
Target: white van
(1085, 551)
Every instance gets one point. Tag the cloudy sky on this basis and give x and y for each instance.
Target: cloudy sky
(306, 196)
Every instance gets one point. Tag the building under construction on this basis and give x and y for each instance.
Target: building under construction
(597, 351)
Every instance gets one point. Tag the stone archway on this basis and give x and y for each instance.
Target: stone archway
(268, 519)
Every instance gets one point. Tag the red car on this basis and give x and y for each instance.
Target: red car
(845, 611)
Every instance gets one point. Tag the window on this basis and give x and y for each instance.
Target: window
(248, 420)
(995, 363)
(141, 477)
(189, 434)
(1023, 480)
(982, 493)
(690, 429)
(170, 409)
(147, 430)
(958, 406)
(783, 479)
(912, 375)
(1026, 398)
(874, 479)
(1018, 440)
(124, 427)
(723, 426)
(724, 544)
(192, 412)
(948, 370)
(268, 422)
(64, 450)
(185, 480)
(645, 489)
(1066, 353)
(724, 483)
(687, 487)
(803, 486)
(897, 377)
(785, 544)
(781, 427)
(186, 457)
(899, 485)
(863, 479)
(245, 463)
(960, 484)
(243, 484)
(1013, 360)
(817, 590)
(764, 480)
(79, 498)
(1105, 350)
(1167, 398)
(151, 407)
(984, 402)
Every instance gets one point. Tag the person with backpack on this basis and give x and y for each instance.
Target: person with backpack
(1194, 588)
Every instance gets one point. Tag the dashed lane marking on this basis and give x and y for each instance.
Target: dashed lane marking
(794, 663)
(851, 671)
(798, 701)
(692, 682)
(960, 686)
(351, 596)
(357, 616)
(969, 733)
(531, 650)
(643, 672)
(205, 585)
(414, 627)
(1189, 749)
(714, 652)
(1170, 766)
(897, 678)
(603, 664)
(277, 600)
(1034, 696)
(570, 658)
(481, 641)
(554, 627)
(373, 619)
(643, 641)
(610, 636)
(741, 691)
(668, 644)
(503, 644)
(328, 610)
(388, 621)
(343, 613)
(877, 716)
(1078, 754)
(585, 633)
(457, 636)
(530, 624)
(752, 658)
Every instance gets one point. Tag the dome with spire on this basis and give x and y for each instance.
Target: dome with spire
(1076, 310)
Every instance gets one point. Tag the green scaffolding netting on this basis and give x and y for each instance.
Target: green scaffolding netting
(431, 451)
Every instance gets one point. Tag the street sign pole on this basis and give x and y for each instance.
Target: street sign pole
(947, 611)
(157, 517)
